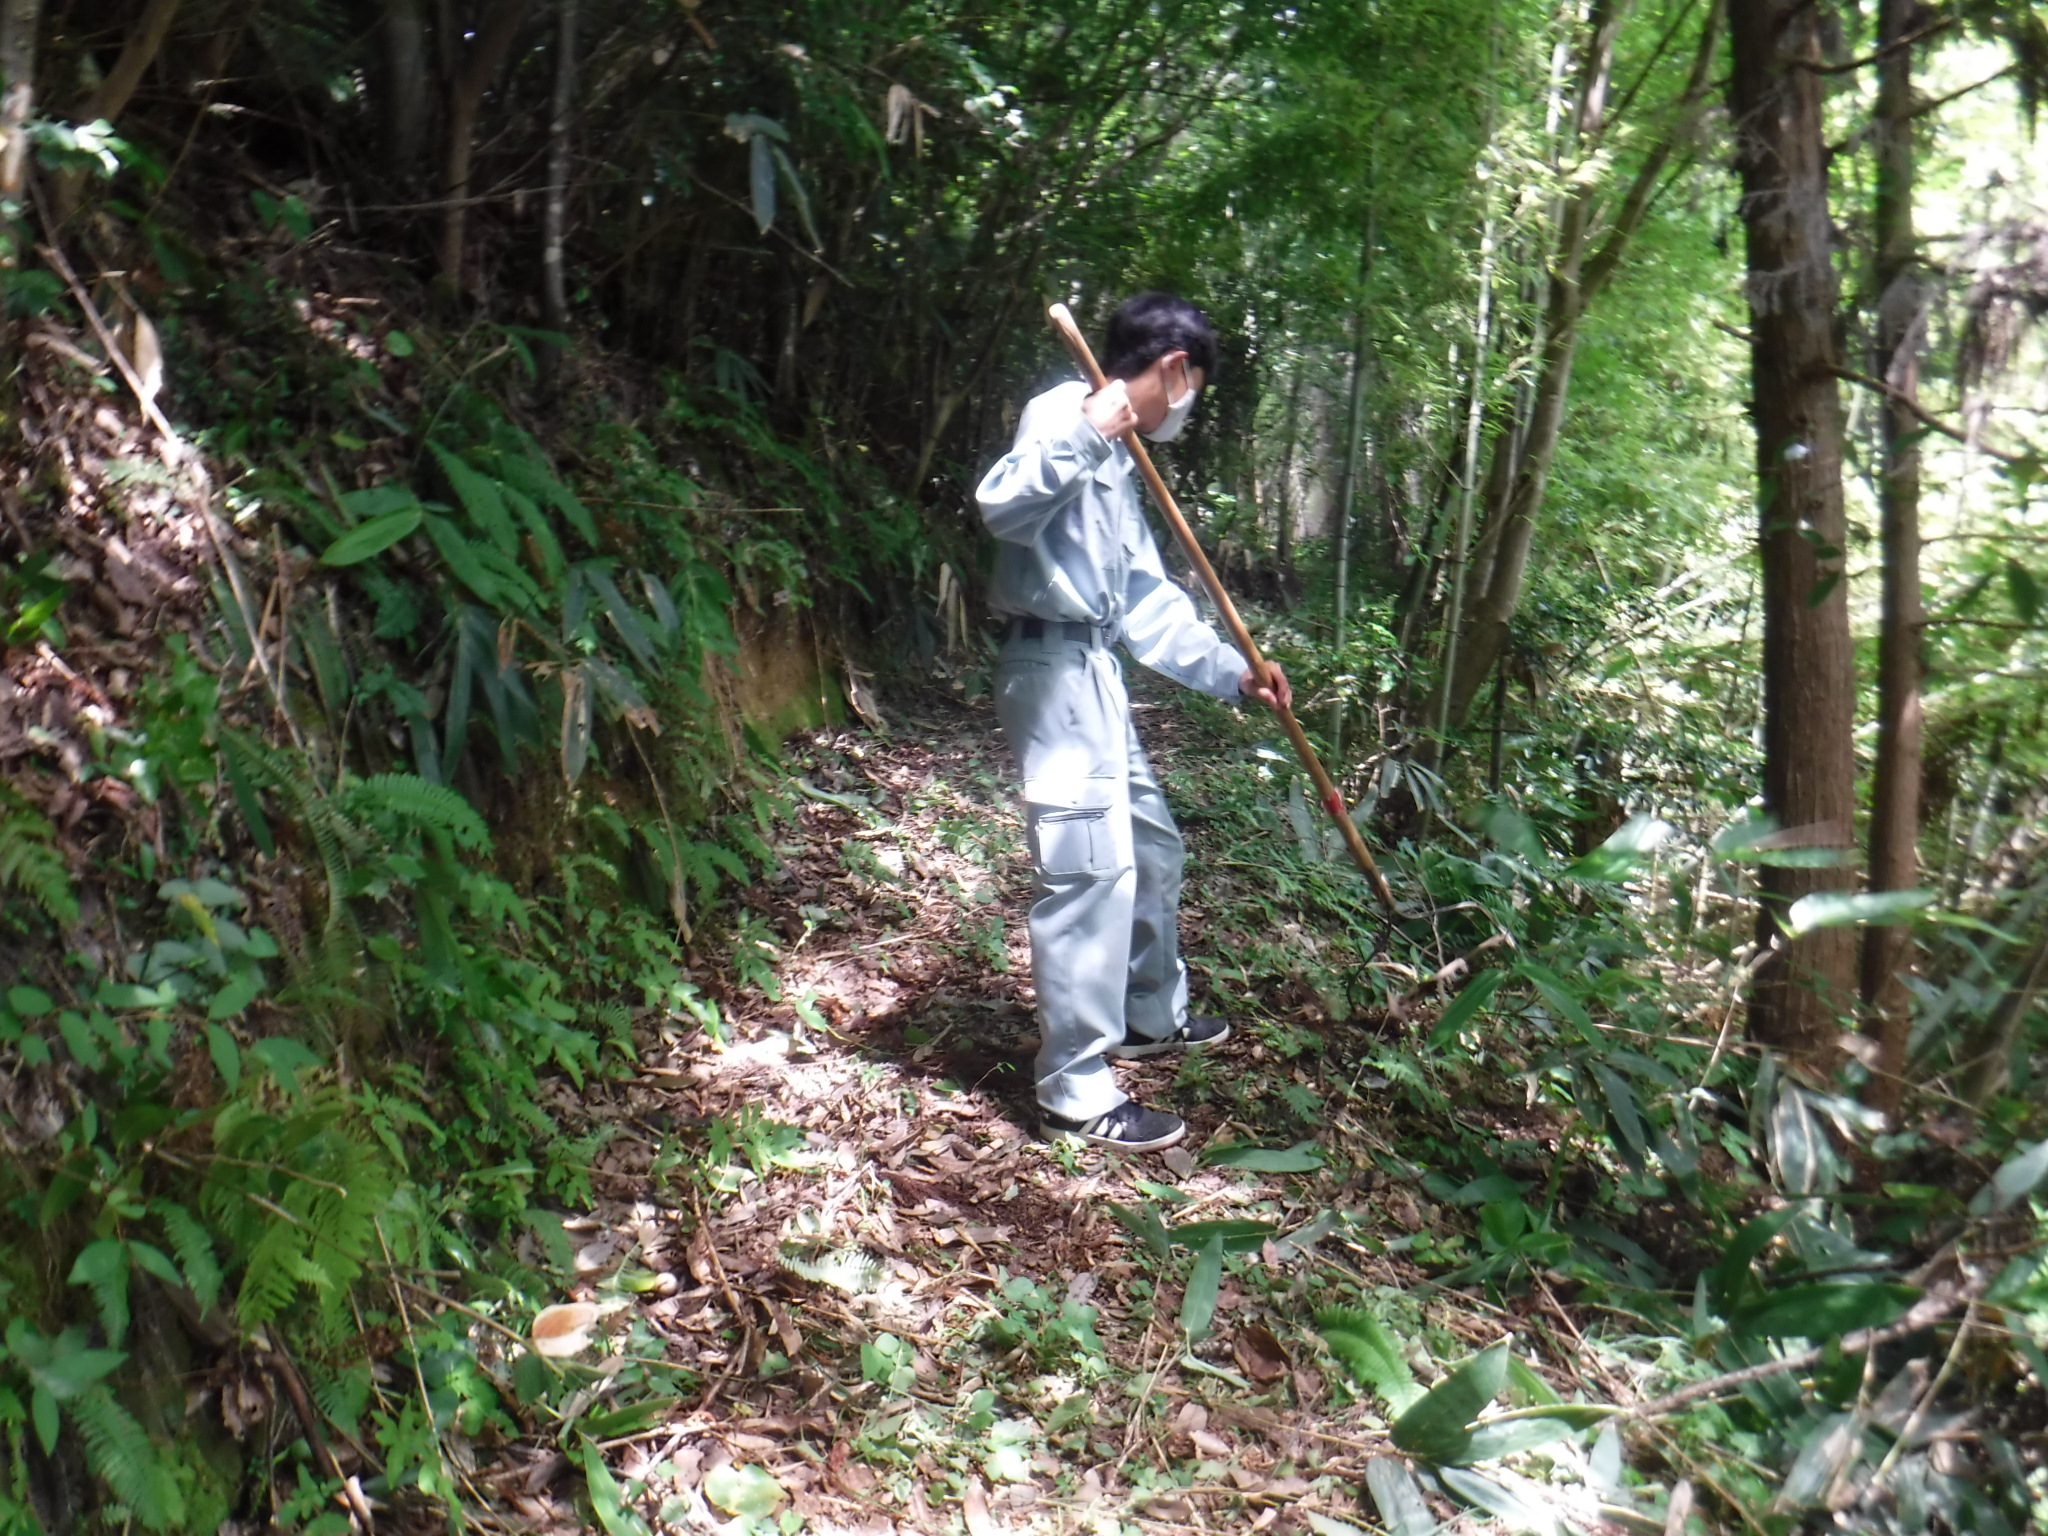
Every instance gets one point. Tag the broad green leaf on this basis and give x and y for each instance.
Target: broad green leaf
(1142, 1222)
(1513, 831)
(1239, 1235)
(1624, 852)
(238, 993)
(608, 1500)
(1302, 1157)
(30, 1002)
(1198, 1301)
(1402, 1508)
(1839, 909)
(1824, 1310)
(1435, 1428)
(1799, 1143)
(1475, 995)
(1563, 1002)
(1628, 1119)
(1505, 1504)
(2017, 1178)
(1497, 1438)
(745, 1491)
(373, 537)
(226, 1055)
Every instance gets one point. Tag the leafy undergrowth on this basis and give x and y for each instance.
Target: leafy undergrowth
(835, 1282)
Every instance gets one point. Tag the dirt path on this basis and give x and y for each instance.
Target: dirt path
(894, 1301)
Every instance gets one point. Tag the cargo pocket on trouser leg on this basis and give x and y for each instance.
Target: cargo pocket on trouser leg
(1072, 841)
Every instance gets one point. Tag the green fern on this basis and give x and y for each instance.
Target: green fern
(410, 799)
(1368, 1352)
(194, 1250)
(119, 1451)
(30, 862)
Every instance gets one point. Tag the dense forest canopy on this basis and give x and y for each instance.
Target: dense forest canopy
(511, 976)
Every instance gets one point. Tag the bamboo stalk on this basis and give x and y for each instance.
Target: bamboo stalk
(1326, 792)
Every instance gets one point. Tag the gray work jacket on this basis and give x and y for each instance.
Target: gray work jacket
(1074, 546)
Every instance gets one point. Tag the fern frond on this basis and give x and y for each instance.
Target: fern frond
(194, 1250)
(118, 1450)
(30, 863)
(413, 800)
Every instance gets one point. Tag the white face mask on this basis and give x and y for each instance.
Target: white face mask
(1176, 411)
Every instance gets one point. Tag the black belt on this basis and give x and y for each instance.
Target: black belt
(1059, 629)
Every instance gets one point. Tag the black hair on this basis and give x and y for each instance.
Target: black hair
(1147, 326)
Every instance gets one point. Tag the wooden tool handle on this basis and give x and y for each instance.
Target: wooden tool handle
(1326, 792)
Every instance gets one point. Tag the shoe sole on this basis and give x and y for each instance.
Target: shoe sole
(1113, 1144)
(1162, 1047)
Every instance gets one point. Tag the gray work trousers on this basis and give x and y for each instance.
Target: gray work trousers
(1106, 865)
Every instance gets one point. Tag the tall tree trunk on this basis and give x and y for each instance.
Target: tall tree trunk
(1475, 413)
(554, 283)
(1776, 99)
(1501, 562)
(1888, 953)
(137, 54)
(405, 87)
(1283, 533)
(19, 22)
(480, 63)
(1347, 482)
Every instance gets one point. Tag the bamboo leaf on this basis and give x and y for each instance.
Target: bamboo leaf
(1205, 1279)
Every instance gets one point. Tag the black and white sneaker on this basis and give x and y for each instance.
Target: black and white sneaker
(1201, 1031)
(1130, 1127)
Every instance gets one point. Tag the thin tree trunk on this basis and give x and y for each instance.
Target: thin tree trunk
(1503, 556)
(481, 61)
(1777, 103)
(137, 54)
(1347, 483)
(405, 87)
(1889, 953)
(19, 22)
(1283, 535)
(1475, 412)
(554, 285)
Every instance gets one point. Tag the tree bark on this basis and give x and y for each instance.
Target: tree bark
(20, 20)
(554, 284)
(1775, 96)
(137, 54)
(1521, 470)
(1283, 533)
(480, 64)
(405, 87)
(1347, 485)
(1475, 412)
(1889, 953)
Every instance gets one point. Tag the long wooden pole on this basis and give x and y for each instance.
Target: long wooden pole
(1063, 322)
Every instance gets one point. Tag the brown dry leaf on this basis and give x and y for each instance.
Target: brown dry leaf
(974, 1504)
(564, 1330)
(1215, 1447)
(1260, 1355)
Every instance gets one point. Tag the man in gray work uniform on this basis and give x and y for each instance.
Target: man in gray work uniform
(1076, 572)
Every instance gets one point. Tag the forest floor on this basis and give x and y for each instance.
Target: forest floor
(903, 1311)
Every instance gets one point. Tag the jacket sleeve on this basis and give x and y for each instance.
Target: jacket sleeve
(1057, 449)
(1164, 631)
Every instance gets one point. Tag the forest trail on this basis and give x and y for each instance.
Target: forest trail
(894, 1293)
